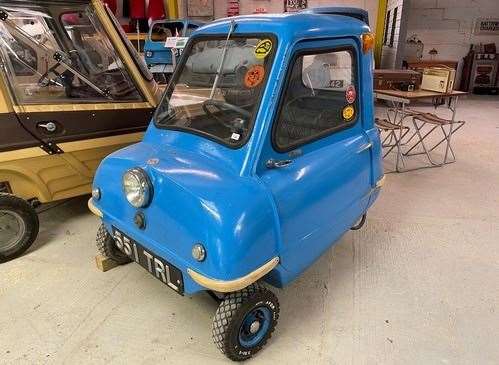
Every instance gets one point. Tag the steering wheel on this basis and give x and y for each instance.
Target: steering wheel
(221, 105)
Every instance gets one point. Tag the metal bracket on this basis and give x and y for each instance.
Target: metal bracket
(51, 148)
(4, 15)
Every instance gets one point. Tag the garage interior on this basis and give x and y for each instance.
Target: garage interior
(418, 284)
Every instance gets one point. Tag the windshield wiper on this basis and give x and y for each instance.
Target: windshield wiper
(233, 25)
(58, 56)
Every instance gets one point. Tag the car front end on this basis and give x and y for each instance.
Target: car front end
(176, 203)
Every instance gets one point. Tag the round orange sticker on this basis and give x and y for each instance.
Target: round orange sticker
(254, 76)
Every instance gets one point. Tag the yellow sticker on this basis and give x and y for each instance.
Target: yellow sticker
(348, 113)
(263, 48)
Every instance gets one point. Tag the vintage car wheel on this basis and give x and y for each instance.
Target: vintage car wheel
(244, 321)
(18, 226)
(107, 247)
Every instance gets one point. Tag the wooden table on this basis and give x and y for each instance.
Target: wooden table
(408, 96)
(401, 99)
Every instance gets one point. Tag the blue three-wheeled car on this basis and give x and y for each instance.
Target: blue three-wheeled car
(262, 154)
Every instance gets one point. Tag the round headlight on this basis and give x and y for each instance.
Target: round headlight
(137, 187)
(149, 54)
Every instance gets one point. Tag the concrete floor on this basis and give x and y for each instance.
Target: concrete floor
(418, 285)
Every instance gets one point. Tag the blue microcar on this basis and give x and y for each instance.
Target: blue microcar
(262, 154)
(159, 58)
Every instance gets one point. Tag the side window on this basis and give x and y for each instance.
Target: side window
(320, 98)
(23, 58)
(190, 29)
(78, 64)
(161, 31)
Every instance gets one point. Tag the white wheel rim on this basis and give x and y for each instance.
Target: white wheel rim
(12, 230)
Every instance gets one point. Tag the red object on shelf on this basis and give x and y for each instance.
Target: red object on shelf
(137, 9)
(126, 28)
(112, 5)
(156, 10)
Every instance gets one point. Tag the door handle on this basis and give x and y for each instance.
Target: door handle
(365, 147)
(50, 127)
(278, 164)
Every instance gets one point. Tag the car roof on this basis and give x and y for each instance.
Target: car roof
(182, 20)
(312, 23)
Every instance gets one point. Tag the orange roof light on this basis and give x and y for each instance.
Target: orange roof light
(367, 42)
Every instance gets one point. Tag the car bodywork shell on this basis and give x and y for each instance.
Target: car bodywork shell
(162, 55)
(31, 172)
(215, 195)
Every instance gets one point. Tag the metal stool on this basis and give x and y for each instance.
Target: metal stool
(435, 121)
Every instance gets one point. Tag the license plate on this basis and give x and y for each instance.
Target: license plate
(161, 269)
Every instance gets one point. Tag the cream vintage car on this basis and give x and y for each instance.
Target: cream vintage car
(72, 90)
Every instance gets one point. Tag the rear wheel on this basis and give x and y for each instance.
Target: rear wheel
(107, 247)
(244, 321)
(18, 226)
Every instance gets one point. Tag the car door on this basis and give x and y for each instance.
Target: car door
(317, 163)
(73, 95)
(87, 94)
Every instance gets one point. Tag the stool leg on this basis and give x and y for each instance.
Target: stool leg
(418, 143)
(461, 124)
(421, 139)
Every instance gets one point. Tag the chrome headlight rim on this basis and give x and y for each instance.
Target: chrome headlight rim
(143, 189)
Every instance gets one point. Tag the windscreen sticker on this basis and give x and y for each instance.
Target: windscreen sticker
(350, 94)
(348, 113)
(263, 48)
(254, 76)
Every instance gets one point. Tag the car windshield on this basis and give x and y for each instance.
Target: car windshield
(217, 90)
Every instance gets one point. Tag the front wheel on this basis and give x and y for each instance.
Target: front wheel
(107, 247)
(244, 321)
(18, 226)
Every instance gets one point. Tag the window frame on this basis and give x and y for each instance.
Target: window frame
(387, 27)
(306, 141)
(176, 75)
(394, 26)
(134, 55)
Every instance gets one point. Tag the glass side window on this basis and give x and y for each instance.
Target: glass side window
(217, 88)
(320, 97)
(161, 31)
(54, 56)
(190, 29)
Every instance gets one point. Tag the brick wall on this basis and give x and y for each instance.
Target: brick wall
(277, 6)
(447, 25)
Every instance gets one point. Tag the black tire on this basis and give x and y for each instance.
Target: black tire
(18, 212)
(230, 317)
(107, 247)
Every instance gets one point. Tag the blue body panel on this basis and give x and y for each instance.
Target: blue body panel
(244, 213)
(162, 55)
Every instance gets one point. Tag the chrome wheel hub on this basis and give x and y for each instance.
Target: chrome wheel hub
(12, 230)
(254, 327)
